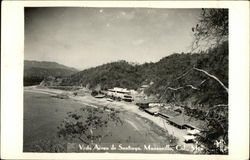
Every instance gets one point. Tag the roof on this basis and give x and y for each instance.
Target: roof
(145, 99)
(121, 89)
(145, 86)
(194, 131)
(168, 113)
(190, 121)
(187, 138)
(154, 109)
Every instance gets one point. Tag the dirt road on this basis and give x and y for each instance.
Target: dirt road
(130, 107)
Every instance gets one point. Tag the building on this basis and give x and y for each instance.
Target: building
(184, 122)
(153, 111)
(167, 113)
(120, 94)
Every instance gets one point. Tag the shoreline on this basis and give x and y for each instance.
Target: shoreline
(123, 106)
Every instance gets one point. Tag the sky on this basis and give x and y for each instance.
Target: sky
(83, 37)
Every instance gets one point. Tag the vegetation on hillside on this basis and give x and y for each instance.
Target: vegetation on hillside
(179, 82)
(167, 73)
(212, 30)
(115, 74)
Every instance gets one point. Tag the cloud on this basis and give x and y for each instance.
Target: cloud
(126, 15)
(138, 42)
(123, 13)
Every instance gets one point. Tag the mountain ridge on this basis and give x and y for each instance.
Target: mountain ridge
(37, 71)
(46, 64)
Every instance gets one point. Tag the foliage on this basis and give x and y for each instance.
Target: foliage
(48, 145)
(85, 123)
(115, 74)
(208, 92)
(32, 80)
(168, 72)
(212, 28)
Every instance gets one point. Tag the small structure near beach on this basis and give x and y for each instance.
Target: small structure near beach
(120, 94)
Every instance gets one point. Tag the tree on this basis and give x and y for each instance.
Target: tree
(211, 30)
(87, 124)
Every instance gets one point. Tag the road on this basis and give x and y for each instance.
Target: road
(132, 108)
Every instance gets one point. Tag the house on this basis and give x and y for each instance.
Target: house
(167, 113)
(153, 111)
(143, 105)
(154, 104)
(117, 90)
(184, 122)
(120, 94)
(143, 87)
(189, 138)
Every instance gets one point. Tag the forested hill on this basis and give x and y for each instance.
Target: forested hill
(36, 71)
(115, 74)
(179, 78)
(172, 75)
(132, 76)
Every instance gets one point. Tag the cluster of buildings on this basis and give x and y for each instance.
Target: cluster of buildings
(120, 94)
(174, 115)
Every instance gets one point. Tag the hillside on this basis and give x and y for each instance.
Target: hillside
(36, 71)
(168, 74)
(115, 74)
(179, 82)
(124, 74)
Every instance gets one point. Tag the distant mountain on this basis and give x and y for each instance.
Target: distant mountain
(46, 65)
(36, 71)
(173, 77)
